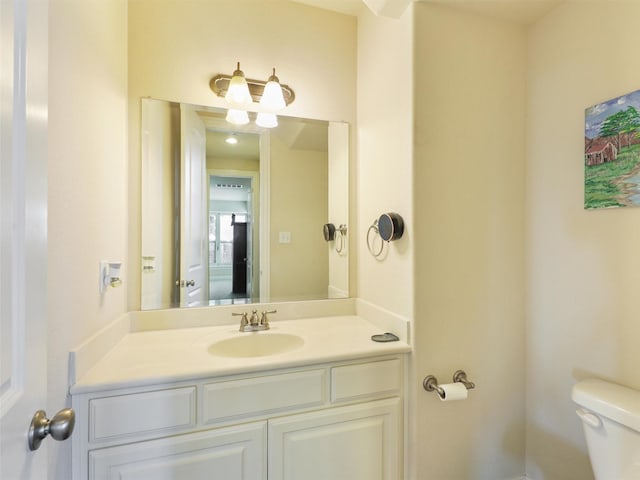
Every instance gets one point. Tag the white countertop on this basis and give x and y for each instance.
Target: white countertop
(162, 356)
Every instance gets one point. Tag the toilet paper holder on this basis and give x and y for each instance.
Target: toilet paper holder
(430, 383)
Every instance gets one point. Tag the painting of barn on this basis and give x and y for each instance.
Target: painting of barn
(598, 153)
(612, 153)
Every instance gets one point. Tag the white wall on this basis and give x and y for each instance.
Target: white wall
(468, 183)
(385, 156)
(338, 208)
(176, 47)
(583, 266)
(87, 198)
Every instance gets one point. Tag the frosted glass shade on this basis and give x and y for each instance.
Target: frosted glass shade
(238, 91)
(272, 98)
(237, 117)
(267, 120)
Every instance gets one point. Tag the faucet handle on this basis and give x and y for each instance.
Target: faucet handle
(244, 321)
(264, 320)
(254, 317)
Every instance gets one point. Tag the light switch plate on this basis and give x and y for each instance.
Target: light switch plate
(285, 237)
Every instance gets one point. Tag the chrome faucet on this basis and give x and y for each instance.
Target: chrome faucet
(254, 323)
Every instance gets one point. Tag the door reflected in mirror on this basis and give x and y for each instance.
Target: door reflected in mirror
(235, 214)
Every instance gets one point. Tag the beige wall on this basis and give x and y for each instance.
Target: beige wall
(176, 47)
(249, 164)
(299, 205)
(468, 186)
(583, 266)
(87, 202)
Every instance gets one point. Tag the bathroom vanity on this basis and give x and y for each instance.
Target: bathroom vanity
(174, 404)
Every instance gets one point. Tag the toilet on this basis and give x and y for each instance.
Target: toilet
(610, 417)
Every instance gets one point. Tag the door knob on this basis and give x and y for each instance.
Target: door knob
(60, 427)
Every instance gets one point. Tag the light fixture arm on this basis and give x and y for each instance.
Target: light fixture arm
(237, 72)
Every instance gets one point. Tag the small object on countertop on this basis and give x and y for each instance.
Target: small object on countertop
(385, 337)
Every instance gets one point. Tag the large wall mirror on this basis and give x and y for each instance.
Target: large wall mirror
(236, 214)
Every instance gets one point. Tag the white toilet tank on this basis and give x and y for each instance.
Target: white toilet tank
(610, 416)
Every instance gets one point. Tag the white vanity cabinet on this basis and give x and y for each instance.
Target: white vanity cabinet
(337, 421)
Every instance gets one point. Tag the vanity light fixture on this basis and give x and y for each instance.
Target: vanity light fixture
(271, 95)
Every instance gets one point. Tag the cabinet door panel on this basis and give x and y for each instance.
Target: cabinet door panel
(234, 453)
(359, 442)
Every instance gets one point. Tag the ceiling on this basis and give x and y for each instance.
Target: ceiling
(248, 145)
(296, 133)
(520, 11)
(349, 7)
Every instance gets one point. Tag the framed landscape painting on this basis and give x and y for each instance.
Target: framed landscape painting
(612, 153)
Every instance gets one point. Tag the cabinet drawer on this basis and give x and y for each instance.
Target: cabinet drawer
(366, 380)
(262, 395)
(140, 414)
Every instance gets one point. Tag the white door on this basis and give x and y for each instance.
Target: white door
(23, 214)
(194, 228)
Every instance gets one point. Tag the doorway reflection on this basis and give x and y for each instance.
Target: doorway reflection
(230, 227)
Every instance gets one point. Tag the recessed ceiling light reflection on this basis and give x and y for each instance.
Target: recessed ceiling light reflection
(231, 140)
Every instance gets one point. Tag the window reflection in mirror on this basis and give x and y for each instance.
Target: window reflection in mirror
(241, 223)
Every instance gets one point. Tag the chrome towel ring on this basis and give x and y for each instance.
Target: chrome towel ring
(388, 227)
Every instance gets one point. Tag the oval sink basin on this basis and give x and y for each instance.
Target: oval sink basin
(256, 345)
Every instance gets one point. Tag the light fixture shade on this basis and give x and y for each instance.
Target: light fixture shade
(237, 117)
(272, 98)
(238, 92)
(267, 120)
